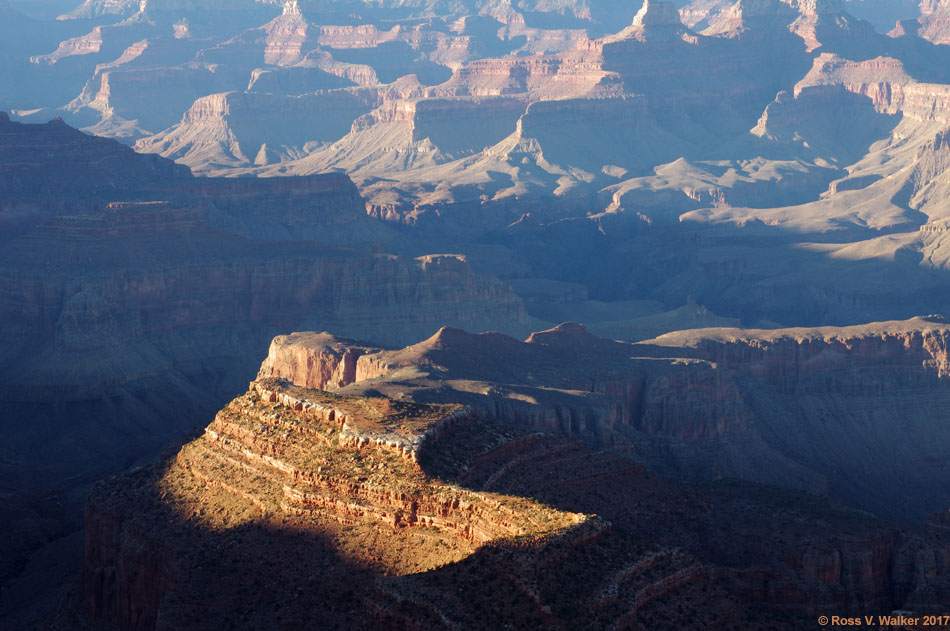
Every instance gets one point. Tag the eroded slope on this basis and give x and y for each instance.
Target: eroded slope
(857, 411)
(300, 507)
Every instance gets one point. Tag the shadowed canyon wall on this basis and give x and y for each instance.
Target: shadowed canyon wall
(856, 412)
(139, 298)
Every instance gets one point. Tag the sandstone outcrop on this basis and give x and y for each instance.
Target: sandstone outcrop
(549, 142)
(885, 82)
(933, 24)
(304, 463)
(313, 360)
(128, 283)
(699, 394)
(275, 491)
(590, 398)
(258, 86)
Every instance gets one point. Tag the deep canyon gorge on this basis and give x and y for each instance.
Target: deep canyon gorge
(473, 314)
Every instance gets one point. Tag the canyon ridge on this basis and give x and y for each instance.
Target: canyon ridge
(555, 314)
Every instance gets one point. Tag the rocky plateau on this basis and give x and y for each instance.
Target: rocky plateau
(742, 204)
(424, 507)
(128, 282)
(848, 412)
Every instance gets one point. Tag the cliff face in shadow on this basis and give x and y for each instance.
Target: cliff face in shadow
(870, 396)
(854, 412)
(272, 517)
(138, 299)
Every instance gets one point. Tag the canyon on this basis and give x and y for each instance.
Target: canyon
(432, 498)
(853, 412)
(138, 297)
(494, 131)
(724, 220)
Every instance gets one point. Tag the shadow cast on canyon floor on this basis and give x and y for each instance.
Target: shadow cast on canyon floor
(741, 529)
(148, 562)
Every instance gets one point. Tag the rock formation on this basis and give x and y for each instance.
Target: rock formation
(428, 107)
(685, 401)
(258, 83)
(313, 360)
(638, 168)
(317, 510)
(932, 25)
(129, 282)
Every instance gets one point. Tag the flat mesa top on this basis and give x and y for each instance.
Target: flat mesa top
(374, 415)
(691, 338)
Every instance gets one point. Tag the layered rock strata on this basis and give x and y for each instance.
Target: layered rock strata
(291, 458)
(355, 431)
(319, 528)
(885, 82)
(127, 283)
(754, 407)
(872, 396)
